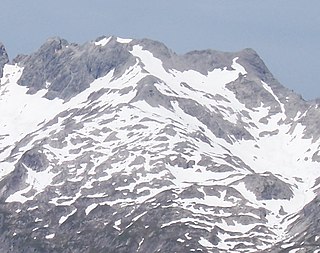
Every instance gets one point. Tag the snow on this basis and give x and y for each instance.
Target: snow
(210, 201)
(21, 115)
(281, 154)
(32, 208)
(123, 41)
(192, 222)
(287, 245)
(187, 235)
(248, 195)
(205, 243)
(297, 250)
(268, 88)
(133, 220)
(50, 236)
(117, 224)
(19, 196)
(64, 218)
(140, 243)
(251, 155)
(90, 208)
(193, 175)
(103, 42)
(213, 83)
(65, 201)
(36, 181)
(48, 84)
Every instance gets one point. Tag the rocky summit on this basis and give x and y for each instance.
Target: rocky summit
(122, 145)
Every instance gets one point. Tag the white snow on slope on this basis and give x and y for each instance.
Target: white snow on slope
(204, 242)
(64, 218)
(123, 41)
(213, 83)
(268, 88)
(90, 208)
(281, 153)
(25, 113)
(201, 85)
(36, 180)
(20, 113)
(50, 236)
(103, 42)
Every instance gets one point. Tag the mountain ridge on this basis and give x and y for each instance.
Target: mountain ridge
(54, 44)
(138, 149)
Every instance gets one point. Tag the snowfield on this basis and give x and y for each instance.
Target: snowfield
(160, 148)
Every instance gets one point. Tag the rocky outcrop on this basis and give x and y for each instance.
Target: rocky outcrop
(4, 59)
(201, 152)
(267, 187)
(67, 69)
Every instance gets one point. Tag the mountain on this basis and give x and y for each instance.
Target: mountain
(122, 145)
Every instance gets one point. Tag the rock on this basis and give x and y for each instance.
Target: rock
(4, 59)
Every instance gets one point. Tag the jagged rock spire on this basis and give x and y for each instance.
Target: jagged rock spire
(3, 58)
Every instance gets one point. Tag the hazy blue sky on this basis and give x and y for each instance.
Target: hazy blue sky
(285, 33)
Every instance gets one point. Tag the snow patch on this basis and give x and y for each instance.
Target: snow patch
(64, 218)
(123, 41)
(103, 42)
(117, 224)
(90, 208)
(50, 236)
(205, 243)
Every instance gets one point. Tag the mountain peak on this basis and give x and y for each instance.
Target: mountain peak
(70, 68)
(125, 143)
(4, 58)
(252, 61)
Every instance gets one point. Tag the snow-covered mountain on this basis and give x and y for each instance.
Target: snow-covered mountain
(121, 145)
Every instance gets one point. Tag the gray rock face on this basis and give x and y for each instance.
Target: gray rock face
(252, 94)
(214, 121)
(254, 65)
(155, 159)
(67, 69)
(204, 61)
(4, 59)
(304, 233)
(267, 187)
(146, 91)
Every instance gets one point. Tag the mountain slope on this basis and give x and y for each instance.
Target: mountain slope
(122, 145)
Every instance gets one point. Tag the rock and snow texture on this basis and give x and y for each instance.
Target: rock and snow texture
(120, 145)
(4, 59)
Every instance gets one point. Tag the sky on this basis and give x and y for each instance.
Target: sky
(285, 33)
